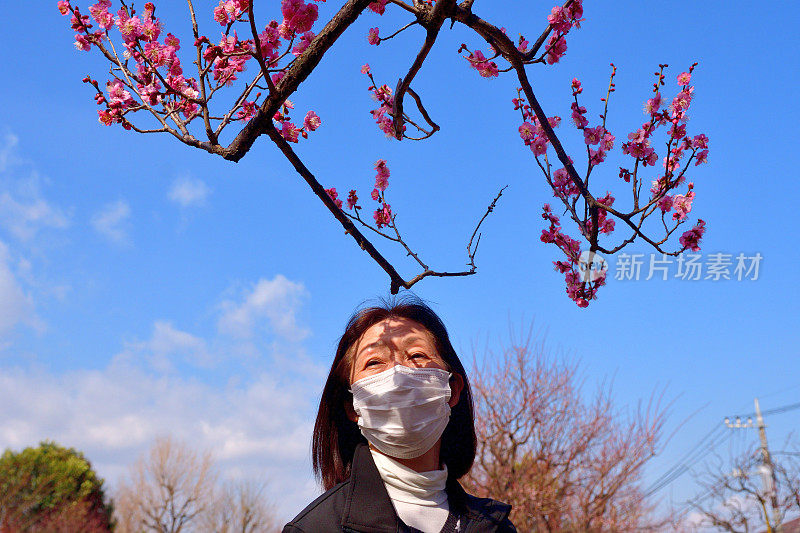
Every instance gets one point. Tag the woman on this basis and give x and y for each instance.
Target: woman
(394, 432)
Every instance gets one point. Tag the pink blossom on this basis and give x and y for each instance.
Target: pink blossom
(299, 16)
(305, 40)
(365, 68)
(382, 177)
(665, 203)
(681, 103)
(383, 217)
(556, 48)
(81, 43)
(677, 131)
(702, 157)
(523, 44)
(559, 20)
(334, 196)
(597, 156)
(652, 105)
(129, 27)
(372, 36)
(118, 96)
(577, 115)
(576, 87)
(700, 141)
(593, 135)
(352, 199)
(375, 194)
(101, 15)
(682, 205)
(379, 6)
(63, 6)
(247, 111)
(485, 68)
(608, 142)
(691, 239)
(539, 145)
(563, 186)
(312, 121)
(684, 78)
(526, 131)
(290, 132)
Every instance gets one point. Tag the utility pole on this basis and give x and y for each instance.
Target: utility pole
(769, 474)
(768, 471)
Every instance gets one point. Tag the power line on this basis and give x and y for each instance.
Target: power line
(704, 446)
(698, 452)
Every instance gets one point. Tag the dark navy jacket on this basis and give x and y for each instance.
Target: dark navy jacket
(361, 504)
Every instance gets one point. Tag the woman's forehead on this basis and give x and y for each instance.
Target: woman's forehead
(395, 330)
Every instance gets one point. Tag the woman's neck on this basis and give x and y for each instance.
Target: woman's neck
(426, 462)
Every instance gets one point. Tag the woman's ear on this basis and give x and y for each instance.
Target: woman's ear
(351, 413)
(456, 386)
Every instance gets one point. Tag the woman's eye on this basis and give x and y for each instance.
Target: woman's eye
(371, 363)
(419, 355)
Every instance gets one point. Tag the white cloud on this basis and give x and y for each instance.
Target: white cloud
(23, 219)
(273, 304)
(8, 150)
(189, 192)
(111, 221)
(23, 210)
(261, 430)
(168, 342)
(15, 306)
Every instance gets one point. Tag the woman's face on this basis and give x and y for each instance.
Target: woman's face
(394, 341)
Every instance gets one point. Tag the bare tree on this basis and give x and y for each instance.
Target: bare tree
(737, 494)
(169, 488)
(564, 462)
(241, 508)
(173, 489)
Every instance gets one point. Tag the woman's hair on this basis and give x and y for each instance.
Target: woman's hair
(336, 436)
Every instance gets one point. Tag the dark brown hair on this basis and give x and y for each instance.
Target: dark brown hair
(336, 436)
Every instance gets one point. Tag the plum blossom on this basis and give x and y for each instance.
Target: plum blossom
(312, 121)
(352, 199)
(301, 46)
(485, 68)
(298, 16)
(289, 132)
(383, 217)
(665, 203)
(334, 196)
(593, 135)
(556, 48)
(653, 104)
(382, 177)
(101, 14)
(684, 78)
(379, 6)
(682, 204)
(691, 239)
(372, 36)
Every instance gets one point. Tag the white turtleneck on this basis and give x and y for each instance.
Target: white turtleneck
(419, 498)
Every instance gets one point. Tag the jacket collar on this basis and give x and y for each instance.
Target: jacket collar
(369, 509)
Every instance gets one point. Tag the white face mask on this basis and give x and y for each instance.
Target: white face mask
(403, 411)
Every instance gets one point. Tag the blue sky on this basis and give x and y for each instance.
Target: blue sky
(148, 287)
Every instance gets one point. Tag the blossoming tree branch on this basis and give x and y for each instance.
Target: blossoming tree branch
(147, 78)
